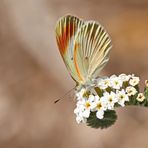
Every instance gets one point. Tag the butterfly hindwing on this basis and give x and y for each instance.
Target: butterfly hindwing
(91, 50)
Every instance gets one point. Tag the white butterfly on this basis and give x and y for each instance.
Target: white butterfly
(84, 47)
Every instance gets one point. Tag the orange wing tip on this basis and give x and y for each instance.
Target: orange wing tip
(66, 32)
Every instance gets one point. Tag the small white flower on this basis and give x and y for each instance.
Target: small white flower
(89, 103)
(86, 113)
(122, 97)
(104, 83)
(87, 107)
(79, 111)
(116, 82)
(94, 103)
(76, 110)
(140, 97)
(78, 119)
(134, 81)
(91, 98)
(110, 99)
(80, 94)
(100, 114)
(99, 106)
(82, 110)
(131, 91)
(124, 77)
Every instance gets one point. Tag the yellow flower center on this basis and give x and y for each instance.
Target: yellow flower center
(130, 91)
(116, 82)
(110, 99)
(87, 104)
(121, 97)
(99, 105)
(106, 82)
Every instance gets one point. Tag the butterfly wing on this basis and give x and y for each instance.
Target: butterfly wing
(66, 29)
(91, 50)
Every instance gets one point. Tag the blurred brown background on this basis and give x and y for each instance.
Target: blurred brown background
(32, 73)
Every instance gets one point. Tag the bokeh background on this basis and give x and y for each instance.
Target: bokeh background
(33, 75)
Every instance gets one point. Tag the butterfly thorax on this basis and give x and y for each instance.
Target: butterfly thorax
(86, 84)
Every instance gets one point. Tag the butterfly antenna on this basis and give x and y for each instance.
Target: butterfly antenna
(56, 101)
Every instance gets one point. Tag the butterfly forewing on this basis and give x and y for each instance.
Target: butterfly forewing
(91, 50)
(66, 29)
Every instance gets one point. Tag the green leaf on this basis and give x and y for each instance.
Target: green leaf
(109, 119)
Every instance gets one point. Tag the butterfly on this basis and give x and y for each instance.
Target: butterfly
(84, 47)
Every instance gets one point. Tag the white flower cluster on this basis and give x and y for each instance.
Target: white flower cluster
(116, 90)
